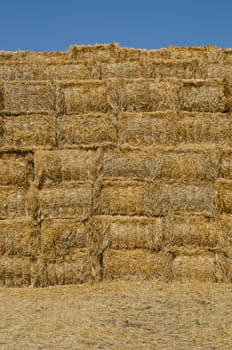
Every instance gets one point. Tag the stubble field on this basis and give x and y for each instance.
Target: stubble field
(117, 315)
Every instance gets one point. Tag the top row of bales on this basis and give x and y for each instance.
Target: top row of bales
(113, 52)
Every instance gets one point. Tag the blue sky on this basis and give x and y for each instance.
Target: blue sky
(48, 25)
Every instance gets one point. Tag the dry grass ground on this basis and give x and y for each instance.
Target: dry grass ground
(117, 315)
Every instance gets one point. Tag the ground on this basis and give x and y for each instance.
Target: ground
(117, 315)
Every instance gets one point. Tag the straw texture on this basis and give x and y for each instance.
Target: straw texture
(115, 163)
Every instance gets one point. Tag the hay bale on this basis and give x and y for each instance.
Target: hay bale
(134, 197)
(18, 237)
(177, 197)
(181, 69)
(224, 191)
(227, 55)
(196, 231)
(16, 169)
(28, 132)
(203, 266)
(123, 197)
(127, 162)
(65, 71)
(136, 265)
(170, 128)
(146, 129)
(57, 166)
(15, 272)
(191, 163)
(218, 70)
(142, 95)
(74, 269)
(83, 96)
(90, 129)
(204, 128)
(130, 54)
(186, 163)
(67, 201)
(1, 97)
(94, 53)
(228, 91)
(225, 167)
(223, 267)
(29, 97)
(202, 95)
(131, 69)
(124, 233)
(12, 202)
(187, 268)
(62, 237)
(34, 57)
(202, 53)
(20, 71)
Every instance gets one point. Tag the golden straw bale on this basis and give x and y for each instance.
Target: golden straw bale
(223, 267)
(12, 202)
(177, 197)
(63, 237)
(29, 97)
(218, 70)
(136, 264)
(227, 55)
(188, 268)
(18, 237)
(74, 269)
(88, 129)
(201, 265)
(16, 169)
(224, 191)
(202, 95)
(134, 197)
(143, 95)
(131, 69)
(209, 53)
(32, 57)
(170, 128)
(225, 170)
(195, 127)
(124, 232)
(15, 271)
(94, 53)
(133, 54)
(1, 96)
(127, 162)
(197, 231)
(185, 163)
(83, 96)
(123, 197)
(6, 56)
(20, 71)
(27, 132)
(227, 264)
(70, 200)
(65, 71)
(181, 69)
(147, 129)
(228, 90)
(63, 165)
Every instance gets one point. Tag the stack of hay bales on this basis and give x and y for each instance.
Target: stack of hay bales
(115, 164)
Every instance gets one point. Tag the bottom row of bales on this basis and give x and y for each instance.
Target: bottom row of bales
(64, 251)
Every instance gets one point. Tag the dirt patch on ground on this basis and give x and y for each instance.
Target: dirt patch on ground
(117, 315)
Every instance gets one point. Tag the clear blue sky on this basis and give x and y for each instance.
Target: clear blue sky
(43, 25)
